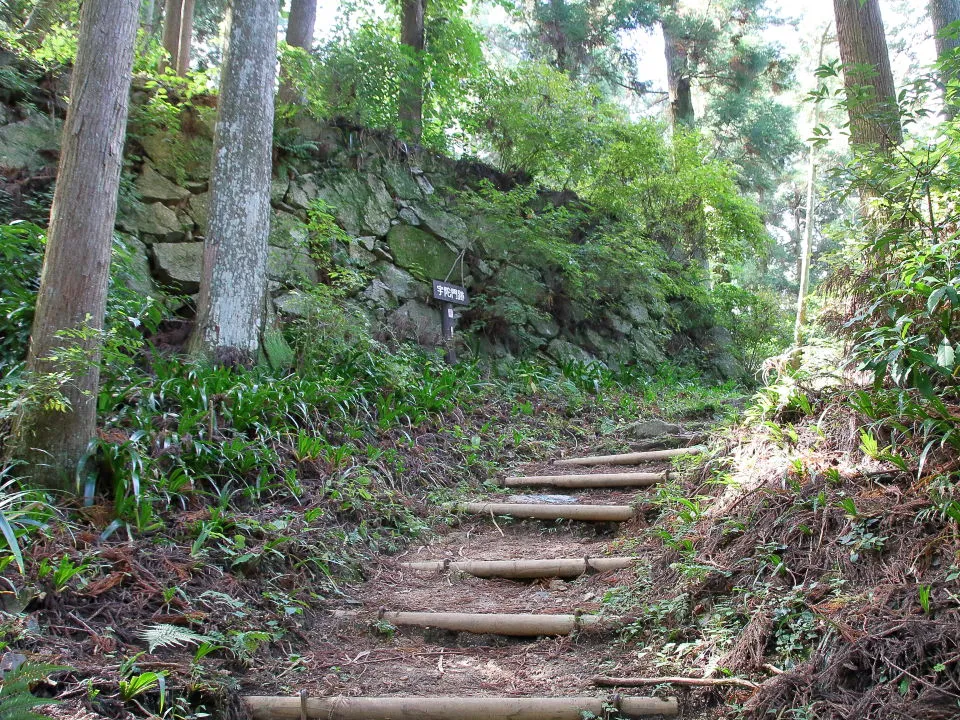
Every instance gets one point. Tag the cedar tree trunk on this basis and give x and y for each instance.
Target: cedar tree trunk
(172, 10)
(300, 24)
(303, 17)
(944, 13)
(871, 95)
(678, 80)
(413, 35)
(186, 38)
(76, 264)
(230, 310)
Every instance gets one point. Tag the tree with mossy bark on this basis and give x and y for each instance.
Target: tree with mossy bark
(231, 306)
(52, 436)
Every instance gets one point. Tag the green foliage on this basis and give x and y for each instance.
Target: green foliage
(22, 512)
(326, 238)
(21, 253)
(326, 329)
(538, 121)
(17, 702)
(360, 76)
(899, 266)
(158, 636)
(759, 324)
(583, 39)
(169, 97)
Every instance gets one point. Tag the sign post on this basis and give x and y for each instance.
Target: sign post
(449, 295)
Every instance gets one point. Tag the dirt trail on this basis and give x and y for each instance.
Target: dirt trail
(359, 658)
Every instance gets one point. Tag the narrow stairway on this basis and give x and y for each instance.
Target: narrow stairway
(498, 619)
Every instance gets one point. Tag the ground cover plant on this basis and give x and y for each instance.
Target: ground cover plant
(230, 503)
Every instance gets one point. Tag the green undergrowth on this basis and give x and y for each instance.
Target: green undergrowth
(815, 552)
(222, 507)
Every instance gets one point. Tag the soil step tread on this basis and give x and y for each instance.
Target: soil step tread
(456, 707)
(633, 458)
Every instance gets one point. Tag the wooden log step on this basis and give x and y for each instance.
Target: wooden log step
(599, 480)
(512, 624)
(526, 569)
(455, 708)
(633, 458)
(590, 513)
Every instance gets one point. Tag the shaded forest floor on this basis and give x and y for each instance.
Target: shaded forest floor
(798, 557)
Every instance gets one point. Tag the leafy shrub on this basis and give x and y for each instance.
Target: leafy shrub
(361, 76)
(325, 328)
(759, 324)
(900, 289)
(21, 253)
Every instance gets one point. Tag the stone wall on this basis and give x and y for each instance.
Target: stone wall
(405, 228)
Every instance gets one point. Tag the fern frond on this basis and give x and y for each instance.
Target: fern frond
(171, 636)
(17, 702)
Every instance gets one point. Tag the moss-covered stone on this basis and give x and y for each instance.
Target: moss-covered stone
(29, 144)
(524, 284)
(400, 181)
(156, 221)
(291, 266)
(179, 158)
(199, 209)
(178, 265)
(443, 224)
(287, 231)
(423, 255)
(154, 187)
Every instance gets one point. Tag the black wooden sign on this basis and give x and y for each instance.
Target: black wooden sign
(447, 292)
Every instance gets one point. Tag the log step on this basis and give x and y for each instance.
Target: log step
(600, 480)
(455, 708)
(632, 458)
(590, 513)
(526, 569)
(512, 624)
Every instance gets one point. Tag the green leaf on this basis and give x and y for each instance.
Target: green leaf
(934, 300)
(11, 537)
(946, 358)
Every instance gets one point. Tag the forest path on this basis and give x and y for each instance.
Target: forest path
(367, 653)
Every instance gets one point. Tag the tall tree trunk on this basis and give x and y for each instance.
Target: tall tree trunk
(944, 13)
(300, 25)
(682, 116)
(413, 35)
(871, 95)
(678, 80)
(186, 37)
(806, 250)
(76, 264)
(230, 310)
(172, 10)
